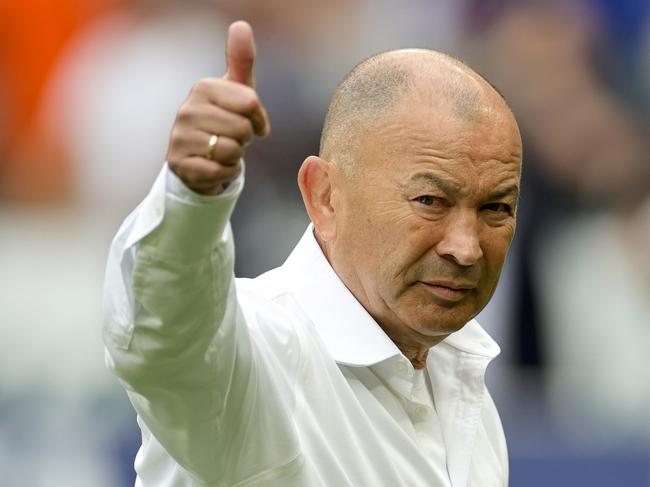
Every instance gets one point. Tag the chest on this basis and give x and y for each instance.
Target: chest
(379, 426)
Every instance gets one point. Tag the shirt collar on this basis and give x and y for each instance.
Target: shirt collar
(349, 333)
(473, 339)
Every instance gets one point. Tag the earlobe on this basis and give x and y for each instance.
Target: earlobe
(315, 180)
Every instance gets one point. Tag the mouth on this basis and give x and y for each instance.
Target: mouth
(448, 291)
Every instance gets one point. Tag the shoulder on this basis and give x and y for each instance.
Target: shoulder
(268, 285)
(269, 311)
(261, 295)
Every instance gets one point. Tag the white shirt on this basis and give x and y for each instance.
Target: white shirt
(284, 380)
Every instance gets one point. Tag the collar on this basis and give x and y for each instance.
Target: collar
(473, 339)
(349, 333)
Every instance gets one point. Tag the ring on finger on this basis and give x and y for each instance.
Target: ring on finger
(212, 144)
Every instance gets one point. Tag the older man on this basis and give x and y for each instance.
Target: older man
(356, 363)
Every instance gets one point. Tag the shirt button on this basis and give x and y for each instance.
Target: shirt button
(421, 412)
(401, 366)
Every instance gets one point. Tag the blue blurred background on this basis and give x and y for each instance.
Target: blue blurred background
(88, 94)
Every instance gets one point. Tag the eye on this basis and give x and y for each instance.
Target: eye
(425, 200)
(501, 208)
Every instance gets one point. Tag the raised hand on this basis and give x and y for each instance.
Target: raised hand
(219, 117)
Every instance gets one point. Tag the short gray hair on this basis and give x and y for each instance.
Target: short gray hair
(375, 85)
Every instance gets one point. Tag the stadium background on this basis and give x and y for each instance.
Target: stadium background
(88, 93)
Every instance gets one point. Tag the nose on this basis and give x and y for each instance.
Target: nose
(460, 241)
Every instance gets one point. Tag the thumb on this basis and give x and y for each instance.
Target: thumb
(240, 53)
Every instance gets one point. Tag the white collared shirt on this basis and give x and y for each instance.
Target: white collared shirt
(284, 380)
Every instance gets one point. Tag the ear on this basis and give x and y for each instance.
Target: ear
(317, 180)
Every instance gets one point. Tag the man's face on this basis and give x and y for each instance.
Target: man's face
(423, 228)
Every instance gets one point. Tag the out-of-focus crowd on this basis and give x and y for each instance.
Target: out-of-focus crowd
(88, 94)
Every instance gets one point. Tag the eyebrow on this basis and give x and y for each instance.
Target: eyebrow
(443, 184)
(451, 187)
(510, 190)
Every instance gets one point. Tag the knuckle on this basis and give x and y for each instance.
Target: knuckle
(182, 172)
(232, 171)
(252, 103)
(238, 152)
(192, 176)
(245, 127)
(174, 165)
(185, 113)
(232, 159)
(178, 138)
(175, 136)
(250, 100)
(232, 150)
(213, 173)
(202, 86)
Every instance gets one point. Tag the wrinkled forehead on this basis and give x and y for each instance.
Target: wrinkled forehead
(444, 108)
(481, 128)
(479, 157)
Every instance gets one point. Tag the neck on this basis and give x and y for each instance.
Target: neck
(413, 345)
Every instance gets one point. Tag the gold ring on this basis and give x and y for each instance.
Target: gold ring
(212, 143)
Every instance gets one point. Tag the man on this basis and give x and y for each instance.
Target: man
(357, 362)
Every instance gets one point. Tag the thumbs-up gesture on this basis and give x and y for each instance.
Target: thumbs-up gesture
(220, 116)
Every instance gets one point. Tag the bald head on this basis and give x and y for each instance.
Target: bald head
(374, 88)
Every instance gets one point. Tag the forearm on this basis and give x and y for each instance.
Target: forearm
(181, 282)
(176, 358)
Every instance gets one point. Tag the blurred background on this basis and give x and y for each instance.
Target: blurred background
(88, 94)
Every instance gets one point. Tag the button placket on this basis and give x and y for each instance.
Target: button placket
(421, 412)
(404, 369)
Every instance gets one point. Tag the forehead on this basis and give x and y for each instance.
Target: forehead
(420, 135)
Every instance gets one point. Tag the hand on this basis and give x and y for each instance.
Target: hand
(227, 107)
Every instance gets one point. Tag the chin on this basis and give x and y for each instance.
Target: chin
(442, 328)
(434, 319)
(431, 316)
(436, 327)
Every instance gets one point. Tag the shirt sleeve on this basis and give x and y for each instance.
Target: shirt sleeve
(176, 336)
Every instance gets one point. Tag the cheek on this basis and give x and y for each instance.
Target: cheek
(386, 245)
(380, 225)
(360, 240)
(405, 255)
(495, 248)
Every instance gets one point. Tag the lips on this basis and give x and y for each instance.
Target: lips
(448, 291)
